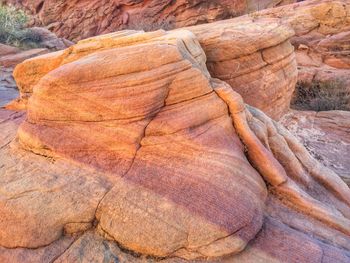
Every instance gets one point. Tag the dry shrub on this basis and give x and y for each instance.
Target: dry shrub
(321, 96)
(12, 28)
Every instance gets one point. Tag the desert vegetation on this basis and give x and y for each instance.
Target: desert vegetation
(321, 96)
(13, 29)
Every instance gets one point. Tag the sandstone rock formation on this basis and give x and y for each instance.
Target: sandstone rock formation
(8, 87)
(80, 19)
(326, 135)
(322, 38)
(128, 140)
(256, 59)
(12, 60)
(11, 56)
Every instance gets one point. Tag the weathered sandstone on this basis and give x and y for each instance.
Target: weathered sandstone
(12, 60)
(255, 58)
(326, 135)
(10, 56)
(322, 38)
(134, 140)
(8, 87)
(78, 19)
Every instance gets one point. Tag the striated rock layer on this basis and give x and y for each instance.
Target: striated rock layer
(128, 140)
(322, 38)
(132, 125)
(79, 19)
(326, 135)
(255, 58)
(11, 56)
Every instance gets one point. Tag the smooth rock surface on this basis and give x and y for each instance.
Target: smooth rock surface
(255, 58)
(134, 127)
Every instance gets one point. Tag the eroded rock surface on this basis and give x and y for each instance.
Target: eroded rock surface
(10, 56)
(135, 138)
(80, 19)
(326, 135)
(136, 144)
(322, 38)
(255, 58)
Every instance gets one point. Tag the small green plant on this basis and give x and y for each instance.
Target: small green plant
(13, 29)
(321, 96)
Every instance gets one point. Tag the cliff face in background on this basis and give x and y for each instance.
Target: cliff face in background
(78, 19)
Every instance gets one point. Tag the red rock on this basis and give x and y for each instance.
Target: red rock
(257, 51)
(255, 58)
(67, 18)
(136, 144)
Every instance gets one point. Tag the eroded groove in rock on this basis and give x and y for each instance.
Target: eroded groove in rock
(274, 173)
(331, 182)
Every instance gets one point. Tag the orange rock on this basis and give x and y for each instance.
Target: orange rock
(254, 58)
(159, 161)
(137, 146)
(101, 17)
(143, 116)
(323, 27)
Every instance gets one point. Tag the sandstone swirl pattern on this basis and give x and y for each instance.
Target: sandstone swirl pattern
(137, 145)
(144, 122)
(78, 19)
(255, 58)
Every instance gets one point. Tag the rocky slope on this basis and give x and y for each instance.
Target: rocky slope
(129, 140)
(79, 19)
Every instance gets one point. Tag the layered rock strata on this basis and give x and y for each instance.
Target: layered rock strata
(11, 56)
(322, 38)
(80, 19)
(135, 141)
(255, 58)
